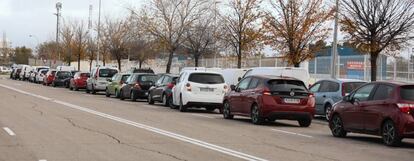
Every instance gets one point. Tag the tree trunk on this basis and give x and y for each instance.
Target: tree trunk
(239, 58)
(79, 58)
(196, 59)
(103, 60)
(119, 63)
(170, 57)
(373, 60)
(90, 65)
(140, 64)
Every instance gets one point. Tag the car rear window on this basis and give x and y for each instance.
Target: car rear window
(43, 71)
(125, 77)
(206, 78)
(85, 75)
(407, 93)
(107, 72)
(351, 86)
(286, 85)
(64, 74)
(148, 78)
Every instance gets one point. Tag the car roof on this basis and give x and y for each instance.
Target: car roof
(340, 80)
(397, 83)
(201, 71)
(273, 77)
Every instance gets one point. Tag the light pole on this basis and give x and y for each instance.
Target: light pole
(334, 52)
(99, 36)
(58, 8)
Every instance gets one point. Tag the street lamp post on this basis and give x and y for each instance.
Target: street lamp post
(99, 32)
(58, 9)
(334, 52)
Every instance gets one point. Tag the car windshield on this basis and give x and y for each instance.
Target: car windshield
(286, 85)
(64, 74)
(107, 72)
(407, 93)
(206, 78)
(351, 86)
(148, 78)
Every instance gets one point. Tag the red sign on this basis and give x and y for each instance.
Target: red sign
(355, 65)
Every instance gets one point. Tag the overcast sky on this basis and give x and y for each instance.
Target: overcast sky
(21, 18)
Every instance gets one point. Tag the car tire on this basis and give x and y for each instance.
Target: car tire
(255, 115)
(305, 122)
(117, 95)
(76, 88)
(71, 88)
(337, 127)
(165, 100)
(182, 107)
(389, 134)
(133, 97)
(328, 109)
(170, 103)
(226, 111)
(121, 95)
(87, 89)
(54, 84)
(150, 99)
(93, 91)
(107, 94)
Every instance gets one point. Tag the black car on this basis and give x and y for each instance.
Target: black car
(61, 78)
(141, 70)
(162, 90)
(137, 86)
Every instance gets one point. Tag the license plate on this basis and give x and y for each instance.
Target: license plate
(207, 89)
(292, 100)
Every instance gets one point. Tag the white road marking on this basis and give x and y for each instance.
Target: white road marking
(202, 116)
(149, 128)
(9, 131)
(42, 160)
(292, 133)
(17, 84)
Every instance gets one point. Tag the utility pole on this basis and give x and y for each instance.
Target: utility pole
(334, 53)
(99, 32)
(58, 8)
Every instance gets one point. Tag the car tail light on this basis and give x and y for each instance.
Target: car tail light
(267, 92)
(137, 86)
(311, 95)
(188, 86)
(405, 107)
(170, 85)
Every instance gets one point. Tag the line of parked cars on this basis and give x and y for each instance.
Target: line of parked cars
(264, 94)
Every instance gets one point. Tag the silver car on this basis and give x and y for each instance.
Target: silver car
(329, 91)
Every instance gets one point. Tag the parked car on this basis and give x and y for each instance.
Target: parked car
(25, 72)
(141, 70)
(329, 91)
(162, 90)
(16, 72)
(41, 75)
(67, 82)
(99, 79)
(231, 75)
(298, 73)
(61, 78)
(35, 72)
(379, 108)
(199, 89)
(4, 69)
(78, 81)
(50, 76)
(115, 84)
(270, 98)
(137, 86)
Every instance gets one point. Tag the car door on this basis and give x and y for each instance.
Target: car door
(318, 96)
(113, 83)
(373, 110)
(238, 99)
(249, 96)
(155, 91)
(352, 113)
(177, 89)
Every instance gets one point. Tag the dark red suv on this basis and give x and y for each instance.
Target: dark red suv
(78, 81)
(267, 98)
(380, 108)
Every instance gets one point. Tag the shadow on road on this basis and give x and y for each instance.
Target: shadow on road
(378, 140)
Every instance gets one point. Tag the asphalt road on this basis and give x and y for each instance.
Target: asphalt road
(39, 123)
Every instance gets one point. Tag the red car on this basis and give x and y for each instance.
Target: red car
(79, 81)
(269, 98)
(50, 76)
(380, 108)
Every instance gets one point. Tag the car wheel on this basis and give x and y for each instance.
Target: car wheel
(93, 91)
(71, 88)
(54, 84)
(165, 101)
(87, 89)
(182, 108)
(133, 97)
(107, 94)
(150, 99)
(305, 122)
(226, 111)
(337, 126)
(390, 134)
(328, 109)
(255, 115)
(76, 88)
(121, 95)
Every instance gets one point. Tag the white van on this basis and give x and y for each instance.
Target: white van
(65, 68)
(232, 75)
(298, 73)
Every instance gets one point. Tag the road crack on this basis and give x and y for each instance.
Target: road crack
(117, 140)
(34, 107)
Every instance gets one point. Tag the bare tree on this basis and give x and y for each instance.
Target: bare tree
(240, 26)
(292, 27)
(117, 34)
(46, 50)
(80, 40)
(376, 25)
(91, 51)
(67, 44)
(168, 20)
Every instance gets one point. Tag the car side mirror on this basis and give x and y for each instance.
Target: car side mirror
(233, 87)
(239, 79)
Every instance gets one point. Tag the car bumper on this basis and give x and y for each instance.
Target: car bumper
(141, 94)
(408, 130)
(209, 99)
(59, 83)
(204, 104)
(289, 115)
(100, 87)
